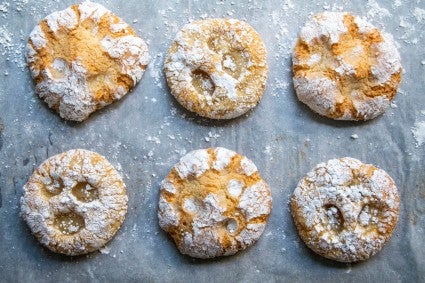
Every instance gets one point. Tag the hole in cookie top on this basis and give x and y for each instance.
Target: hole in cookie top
(85, 192)
(334, 217)
(203, 83)
(53, 189)
(232, 63)
(231, 225)
(69, 223)
(369, 215)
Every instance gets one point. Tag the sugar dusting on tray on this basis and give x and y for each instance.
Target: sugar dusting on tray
(418, 132)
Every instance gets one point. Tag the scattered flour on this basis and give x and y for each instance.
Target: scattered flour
(418, 132)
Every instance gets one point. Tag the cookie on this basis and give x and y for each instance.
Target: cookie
(217, 68)
(75, 202)
(214, 203)
(84, 58)
(345, 210)
(345, 68)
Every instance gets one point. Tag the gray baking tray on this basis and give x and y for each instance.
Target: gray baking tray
(147, 132)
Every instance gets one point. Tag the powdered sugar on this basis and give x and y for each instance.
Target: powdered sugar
(69, 91)
(323, 93)
(132, 53)
(252, 201)
(319, 93)
(418, 132)
(167, 214)
(251, 232)
(64, 82)
(194, 163)
(388, 60)
(200, 62)
(363, 25)
(37, 37)
(248, 167)
(220, 215)
(93, 11)
(223, 157)
(339, 204)
(314, 59)
(234, 187)
(65, 18)
(56, 202)
(168, 186)
(328, 24)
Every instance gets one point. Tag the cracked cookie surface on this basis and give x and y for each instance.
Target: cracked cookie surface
(214, 203)
(75, 202)
(84, 58)
(217, 68)
(345, 210)
(345, 68)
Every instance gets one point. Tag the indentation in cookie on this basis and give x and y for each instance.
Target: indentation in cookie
(231, 225)
(334, 217)
(69, 223)
(52, 189)
(232, 63)
(84, 192)
(203, 83)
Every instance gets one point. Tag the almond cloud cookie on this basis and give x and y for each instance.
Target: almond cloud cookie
(217, 68)
(345, 210)
(214, 203)
(345, 68)
(75, 202)
(84, 58)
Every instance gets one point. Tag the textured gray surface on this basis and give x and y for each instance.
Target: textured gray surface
(145, 133)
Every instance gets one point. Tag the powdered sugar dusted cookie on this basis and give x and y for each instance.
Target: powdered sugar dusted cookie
(83, 58)
(345, 68)
(75, 202)
(214, 203)
(345, 210)
(217, 68)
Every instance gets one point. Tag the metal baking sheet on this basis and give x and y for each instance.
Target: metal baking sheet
(145, 134)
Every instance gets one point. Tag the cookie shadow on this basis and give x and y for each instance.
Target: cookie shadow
(328, 263)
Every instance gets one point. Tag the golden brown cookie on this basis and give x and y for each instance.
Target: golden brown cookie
(214, 203)
(345, 68)
(75, 202)
(83, 58)
(345, 210)
(217, 68)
